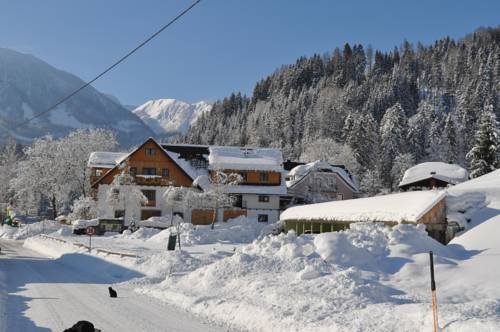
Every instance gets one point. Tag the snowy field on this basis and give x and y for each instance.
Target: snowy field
(368, 278)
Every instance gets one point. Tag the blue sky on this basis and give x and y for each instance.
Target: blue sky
(222, 45)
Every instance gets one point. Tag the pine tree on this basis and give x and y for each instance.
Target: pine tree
(449, 140)
(483, 157)
(392, 140)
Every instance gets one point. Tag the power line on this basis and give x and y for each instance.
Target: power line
(51, 108)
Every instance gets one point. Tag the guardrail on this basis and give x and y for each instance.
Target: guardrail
(98, 250)
(121, 254)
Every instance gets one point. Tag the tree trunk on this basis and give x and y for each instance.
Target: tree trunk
(215, 215)
(83, 184)
(54, 208)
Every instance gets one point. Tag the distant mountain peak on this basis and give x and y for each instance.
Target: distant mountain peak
(168, 117)
(29, 86)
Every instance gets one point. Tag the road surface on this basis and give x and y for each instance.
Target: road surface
(43, 294)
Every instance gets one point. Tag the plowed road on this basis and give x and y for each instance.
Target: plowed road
(43, 294)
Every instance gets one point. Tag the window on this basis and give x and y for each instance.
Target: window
(149, 171)
(262, 218)
(165, 172)
(264, 177)
(97, 172)
(119, 213)
(263, 198)
(150, 151)
(133, 171)
(244, 176)
(150, 195)
(115, 192)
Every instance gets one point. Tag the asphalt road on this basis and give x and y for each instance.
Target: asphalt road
(43, 294)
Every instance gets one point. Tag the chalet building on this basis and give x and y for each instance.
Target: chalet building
(319, 182)
(156, 166)
(430, 175)
(417, 207)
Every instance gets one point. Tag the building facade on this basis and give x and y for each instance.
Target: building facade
(156, 167)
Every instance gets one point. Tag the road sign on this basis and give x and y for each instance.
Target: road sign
(91, 230)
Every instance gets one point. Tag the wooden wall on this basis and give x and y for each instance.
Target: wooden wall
(202, 216)
(229, 214)
(160, 160)
(253, 177)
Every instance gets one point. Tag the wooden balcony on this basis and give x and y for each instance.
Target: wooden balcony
(152, 180)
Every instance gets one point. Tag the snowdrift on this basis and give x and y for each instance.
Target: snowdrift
(360, 279)
(29, 230)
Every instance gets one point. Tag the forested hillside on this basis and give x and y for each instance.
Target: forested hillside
(392, 109)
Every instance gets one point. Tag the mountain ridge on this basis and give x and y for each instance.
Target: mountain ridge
(29, 85)
(170, 117)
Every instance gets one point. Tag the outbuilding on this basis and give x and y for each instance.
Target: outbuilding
(433, 175)
(416, 207)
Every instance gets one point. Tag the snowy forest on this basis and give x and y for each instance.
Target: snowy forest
(376, 112)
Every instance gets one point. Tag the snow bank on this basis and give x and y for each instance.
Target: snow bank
(450, 173)
(143, 233)
(238, 230)
(351, 280)
(158, 222)
(409, 206)
(49, 247)
(28, 230)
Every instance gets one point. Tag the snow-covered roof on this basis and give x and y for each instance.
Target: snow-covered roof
(106, 159)
(297, 173)
(450, 173)
(409, 207)
(186, 166)
(240, 158)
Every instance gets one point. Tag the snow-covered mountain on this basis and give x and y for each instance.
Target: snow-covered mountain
(29, 85)
(168, 117)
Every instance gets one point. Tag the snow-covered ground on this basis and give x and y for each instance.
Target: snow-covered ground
(41, 294)
(367, 278)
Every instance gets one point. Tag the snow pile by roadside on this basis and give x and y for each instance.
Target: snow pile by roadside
(49, 247)
(237, 230)
(143, 233)
(350, 280)
(28, 230)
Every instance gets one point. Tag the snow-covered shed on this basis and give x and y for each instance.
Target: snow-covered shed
(319, 181)
(433, 175)
(419, 207)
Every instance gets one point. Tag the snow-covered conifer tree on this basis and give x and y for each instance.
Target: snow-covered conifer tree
(401, 163)
(483, 157)
(393, 139)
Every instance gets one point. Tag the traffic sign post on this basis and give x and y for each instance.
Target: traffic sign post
(90, 231)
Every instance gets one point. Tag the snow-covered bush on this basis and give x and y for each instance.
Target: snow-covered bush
(83, 208)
